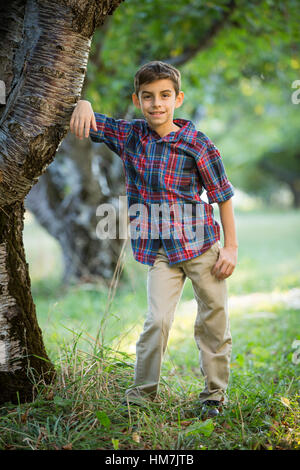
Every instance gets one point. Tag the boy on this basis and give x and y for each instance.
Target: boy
(168, 162)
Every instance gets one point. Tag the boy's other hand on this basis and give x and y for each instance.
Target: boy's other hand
(226, 263)
(82, 119)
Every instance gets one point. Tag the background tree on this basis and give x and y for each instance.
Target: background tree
(45, 48)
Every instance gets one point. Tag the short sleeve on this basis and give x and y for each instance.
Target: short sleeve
(112, 132)
(213, 175)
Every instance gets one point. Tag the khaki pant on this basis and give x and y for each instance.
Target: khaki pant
(212, 334)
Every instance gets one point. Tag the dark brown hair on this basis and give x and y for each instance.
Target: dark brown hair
(156, 70)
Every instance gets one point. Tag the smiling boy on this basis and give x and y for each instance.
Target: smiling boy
(167, 162)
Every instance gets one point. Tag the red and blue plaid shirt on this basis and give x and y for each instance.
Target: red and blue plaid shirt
(167, 172)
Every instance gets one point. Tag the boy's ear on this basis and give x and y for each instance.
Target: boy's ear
(135, 100)
(179, 99)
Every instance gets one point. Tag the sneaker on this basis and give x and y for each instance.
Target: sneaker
(210, 409)
(133, 406)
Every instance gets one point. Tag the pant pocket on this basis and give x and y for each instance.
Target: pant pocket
(216, 247)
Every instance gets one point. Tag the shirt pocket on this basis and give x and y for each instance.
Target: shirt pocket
(179, 172)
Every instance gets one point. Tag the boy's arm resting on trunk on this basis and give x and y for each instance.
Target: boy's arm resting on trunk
(83, 119)
(99, 127)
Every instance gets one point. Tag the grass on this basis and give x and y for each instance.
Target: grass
(81, 409)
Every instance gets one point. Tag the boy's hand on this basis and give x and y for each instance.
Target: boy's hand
(83, 118)
(226, 263)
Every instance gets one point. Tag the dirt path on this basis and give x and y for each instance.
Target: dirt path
(260, 300)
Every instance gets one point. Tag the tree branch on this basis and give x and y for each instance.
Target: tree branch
(203, 42)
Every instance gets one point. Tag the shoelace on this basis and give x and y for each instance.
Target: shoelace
(212, 403)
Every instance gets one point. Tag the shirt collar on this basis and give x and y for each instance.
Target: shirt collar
(187, 132)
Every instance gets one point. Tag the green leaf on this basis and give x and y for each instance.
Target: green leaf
(115, 443)
(103, 419)
(202, 427)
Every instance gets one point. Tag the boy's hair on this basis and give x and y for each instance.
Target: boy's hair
(156, 70)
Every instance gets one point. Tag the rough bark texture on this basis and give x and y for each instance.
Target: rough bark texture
(21, 343)
(44, 52)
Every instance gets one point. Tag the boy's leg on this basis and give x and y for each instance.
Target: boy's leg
(164, 287)
(212, 330)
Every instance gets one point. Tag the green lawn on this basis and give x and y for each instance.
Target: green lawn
(81, 409)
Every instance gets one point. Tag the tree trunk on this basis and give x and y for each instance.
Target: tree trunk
(295, 189)
(44, 53)
(288, 174)
(21, 343)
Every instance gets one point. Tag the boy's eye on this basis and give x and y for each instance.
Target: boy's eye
(148, 97)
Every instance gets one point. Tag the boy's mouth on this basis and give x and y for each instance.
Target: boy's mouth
(157, 113)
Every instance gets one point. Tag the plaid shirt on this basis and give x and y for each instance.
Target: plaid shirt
(168, 172)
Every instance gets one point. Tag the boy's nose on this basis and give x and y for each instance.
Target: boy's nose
(156, 102)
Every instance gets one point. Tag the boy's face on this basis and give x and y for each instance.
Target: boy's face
(157, 101)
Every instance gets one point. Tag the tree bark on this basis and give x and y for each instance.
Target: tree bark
(21, 343)
(44, 53)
